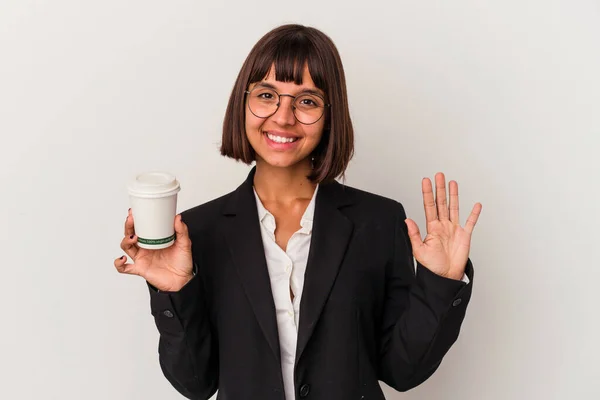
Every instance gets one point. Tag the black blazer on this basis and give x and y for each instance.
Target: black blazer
(364, 315)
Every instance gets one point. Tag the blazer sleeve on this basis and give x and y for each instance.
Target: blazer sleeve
(422, 315)
(187, 348)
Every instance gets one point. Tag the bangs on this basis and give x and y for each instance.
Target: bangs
(289, 54)
(288, 50)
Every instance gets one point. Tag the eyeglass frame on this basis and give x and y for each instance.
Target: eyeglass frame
(246, 92)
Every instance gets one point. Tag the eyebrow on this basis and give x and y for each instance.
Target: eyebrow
(303, 90)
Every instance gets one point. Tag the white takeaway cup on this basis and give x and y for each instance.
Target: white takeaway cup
(153, 199)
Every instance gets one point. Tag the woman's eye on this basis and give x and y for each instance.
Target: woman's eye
(308, 102)
(266, 96)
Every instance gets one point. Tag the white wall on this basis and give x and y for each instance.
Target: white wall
(502, 96)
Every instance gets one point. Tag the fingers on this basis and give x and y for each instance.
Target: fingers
(454, 215)
(124, 268)
(129, 246)
(428, 201)
(129, 229)
(440, 196)
(472, 220)
(129, 242)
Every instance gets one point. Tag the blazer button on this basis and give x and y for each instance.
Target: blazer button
(168, 314)
(304, 390)
(456, 302)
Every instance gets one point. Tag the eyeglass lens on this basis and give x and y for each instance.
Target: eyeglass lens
(264, 102)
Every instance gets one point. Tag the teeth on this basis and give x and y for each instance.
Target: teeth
(280, 139)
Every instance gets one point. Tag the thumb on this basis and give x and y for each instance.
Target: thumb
(182, 233)
(413, 233)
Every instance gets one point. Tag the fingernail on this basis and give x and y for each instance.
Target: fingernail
(131, 237)
(122, 257)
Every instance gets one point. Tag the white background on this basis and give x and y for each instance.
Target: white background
(502, 96)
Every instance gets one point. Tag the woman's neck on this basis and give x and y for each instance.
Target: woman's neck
(283, 185)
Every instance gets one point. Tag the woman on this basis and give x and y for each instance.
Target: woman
(294, 285)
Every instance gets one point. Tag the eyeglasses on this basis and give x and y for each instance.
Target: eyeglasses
(308, 108)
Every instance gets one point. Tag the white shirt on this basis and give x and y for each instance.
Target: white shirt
(286, 271)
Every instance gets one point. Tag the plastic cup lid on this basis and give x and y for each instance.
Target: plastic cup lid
(154, 183)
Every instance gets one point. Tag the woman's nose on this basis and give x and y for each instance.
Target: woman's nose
(285, 113)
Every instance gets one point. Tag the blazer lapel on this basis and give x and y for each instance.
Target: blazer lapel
(242, 233)
(330, 236)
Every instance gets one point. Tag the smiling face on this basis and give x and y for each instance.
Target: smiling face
(280, 140)
(291, 59)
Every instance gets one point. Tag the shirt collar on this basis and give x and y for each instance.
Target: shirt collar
(306, 222)
(262, 211)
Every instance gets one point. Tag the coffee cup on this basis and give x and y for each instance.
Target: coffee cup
(153, 200)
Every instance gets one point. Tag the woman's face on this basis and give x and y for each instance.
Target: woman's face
(270, 137)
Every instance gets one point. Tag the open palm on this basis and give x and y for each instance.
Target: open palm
(445, 249)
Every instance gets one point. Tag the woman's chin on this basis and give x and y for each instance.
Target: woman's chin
(283, 162)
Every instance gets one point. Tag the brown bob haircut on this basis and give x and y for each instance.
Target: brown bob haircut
(289, 48)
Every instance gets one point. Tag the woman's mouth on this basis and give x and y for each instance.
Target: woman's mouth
(280, 142)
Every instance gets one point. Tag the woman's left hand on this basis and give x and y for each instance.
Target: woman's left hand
(445, 250)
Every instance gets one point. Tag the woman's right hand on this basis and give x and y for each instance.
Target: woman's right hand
(166, 269)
